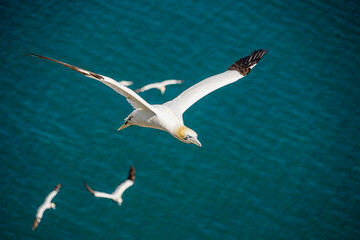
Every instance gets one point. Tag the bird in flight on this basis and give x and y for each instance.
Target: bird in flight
(168, 116)
(116, 196)
(126, 83)
(159, 85)
(46, 205)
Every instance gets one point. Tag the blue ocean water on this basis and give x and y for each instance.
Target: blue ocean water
(281, 147)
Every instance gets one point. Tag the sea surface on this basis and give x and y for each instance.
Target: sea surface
(281, 147)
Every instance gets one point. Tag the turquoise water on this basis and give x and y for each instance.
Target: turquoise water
(281, 147)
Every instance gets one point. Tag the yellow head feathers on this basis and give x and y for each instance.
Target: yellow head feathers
(181, 131)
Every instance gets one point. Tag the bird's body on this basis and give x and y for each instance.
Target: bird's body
(46, 205)
(116, 196)
(168, 116)
(159, 85)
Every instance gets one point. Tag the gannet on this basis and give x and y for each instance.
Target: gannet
(46, 205)
(159, 85)
(116, 196)
(168, 116)
(126, 83)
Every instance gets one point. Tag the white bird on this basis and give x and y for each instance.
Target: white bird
(126, 83)
(159, 85)
(116, 196)
(168, 116)
(46, 205)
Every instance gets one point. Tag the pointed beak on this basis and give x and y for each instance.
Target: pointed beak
(122, 127)
(195, 141)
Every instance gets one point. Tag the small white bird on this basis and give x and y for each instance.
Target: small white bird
(168, 116)
(159, 85)
(116, 196)
(126, 83)
(46, 205)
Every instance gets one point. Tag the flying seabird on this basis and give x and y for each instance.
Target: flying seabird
(159, 85)
(168, 116)
(116, 196)
(126, 83)
(46, 205)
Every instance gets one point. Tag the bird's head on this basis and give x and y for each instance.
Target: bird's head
(128, 122)
(52, 205)
(187, 135)
(119, 201)
(162, 89)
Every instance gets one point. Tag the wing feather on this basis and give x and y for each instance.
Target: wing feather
(147, 87)
(36, 223)
(159, 85)
(98, 194)
(122, 187)
(134, 99)
(41, 210)
(235, 72)
(171, 82)
(53, 194)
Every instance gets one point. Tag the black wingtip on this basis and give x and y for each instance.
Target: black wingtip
(36, 223)
(57, 187)
(32, 55)
(132, 173)
(244, 65)
(88, 188)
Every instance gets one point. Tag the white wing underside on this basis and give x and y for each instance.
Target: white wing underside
(51, 196)
(118, 191)
(150, 86)
(41, 210)
(190, 96)
(159, 84)
(126, 83)
(134, 99)
(103, 195)
(122, 187)
(171, 82)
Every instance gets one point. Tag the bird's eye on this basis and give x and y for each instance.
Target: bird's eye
(188, 136)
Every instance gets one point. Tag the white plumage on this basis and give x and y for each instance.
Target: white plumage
(126, 83)
(168, 116)
(116, 196)
(46, 205)
(159, 85)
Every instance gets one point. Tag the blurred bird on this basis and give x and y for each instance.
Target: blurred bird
(159, 85)
(46, 205)
(116, 196)
(168, 116)
(126, 83)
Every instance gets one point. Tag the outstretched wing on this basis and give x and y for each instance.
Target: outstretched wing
(236, 71)
(126, 184)
(147, 87)
(53, 194)
(98, 194)
(122, 187)
(131, 173)
(134, 99)
(36, 223)
(171, 82)
(126, 83)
